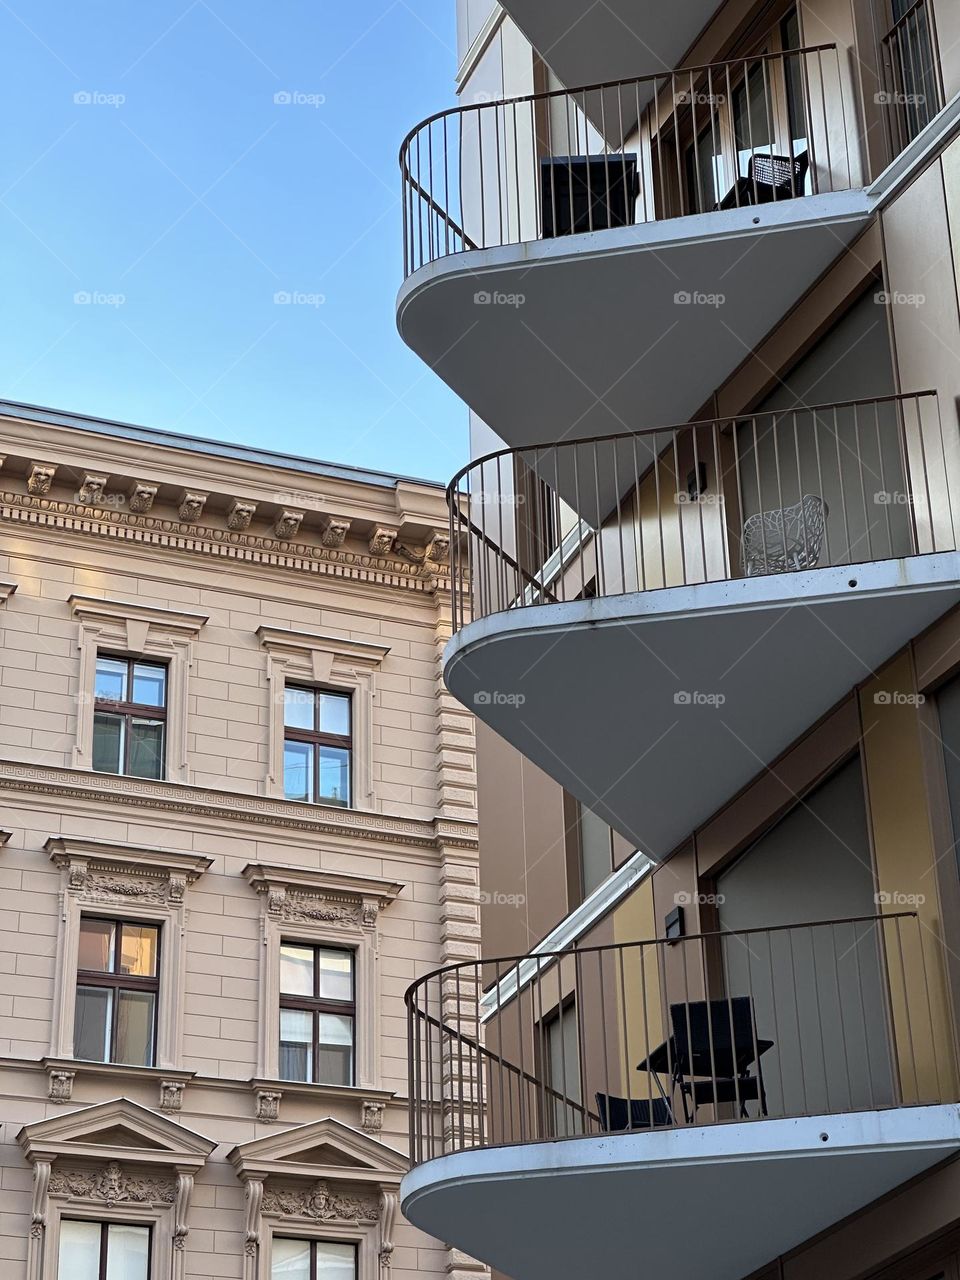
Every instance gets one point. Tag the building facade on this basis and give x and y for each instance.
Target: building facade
(693, 270)
(238, 819)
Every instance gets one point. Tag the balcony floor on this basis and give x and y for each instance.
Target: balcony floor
(599, 344)
(711, 1203)
(620, 695)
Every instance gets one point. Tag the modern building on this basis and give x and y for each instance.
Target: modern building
(238, 814)
(693, 268)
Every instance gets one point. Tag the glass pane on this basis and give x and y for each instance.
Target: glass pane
(298, 708)
(79, 1250)
(296, 970)
(752, 113)
(149, 684)
(91, 1026)
(334, 713)
(95, 950)
(296, 1045)
(298, 771)
(135, 1021)
(138, 949)
(128, 1252)
(107, 742)
(336, 1261)
(111, 679)
(336, 974)
(334, 775)
(291, 1259)
(146, 748)
(596, 850)
(335, 1051)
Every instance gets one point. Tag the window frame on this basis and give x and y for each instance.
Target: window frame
(316, 738)
(105, 1224)
(116, 982)
(127, 711)
(313, 1242)
(316, 1004)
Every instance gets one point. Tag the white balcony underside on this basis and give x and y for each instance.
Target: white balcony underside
(599, 345)
(710, 1203)
(587, 44)
(599, 680)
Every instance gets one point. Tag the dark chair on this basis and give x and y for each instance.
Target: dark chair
(619, 1115)
(769, 179)
(718, 1042)
(587, 193)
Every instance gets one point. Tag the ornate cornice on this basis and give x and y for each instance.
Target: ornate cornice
(293, 895)
(317, 1203)
(102, 609)
(355, 652)
(224, 806)
(110, 1184)
(138, 527)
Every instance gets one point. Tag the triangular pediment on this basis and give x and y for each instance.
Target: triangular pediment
(131, 1131)
(324, 1148)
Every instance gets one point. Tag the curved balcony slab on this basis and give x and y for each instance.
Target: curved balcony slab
(711, 1203)
(615, 331)
(654, 708)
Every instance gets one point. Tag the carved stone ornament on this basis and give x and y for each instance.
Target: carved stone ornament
(334, 533)
(319, 1204)
(142, 496)
(171, 1096)
(61, 1085)
(438, 548)
(40, 478)
(108, 884)
(191, 506)
(301, 906)
(381, 541)
(371, 1116)
(111, 1184)
(90, 493)
(287, 524)
(240, 515)
(268, 1105)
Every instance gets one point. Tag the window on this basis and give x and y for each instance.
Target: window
(129, 720)
(106, 1251)
(317, 1014)
(589, 850)
(117, 988)
(561, 1071)
(312, 1260)
(316, 746)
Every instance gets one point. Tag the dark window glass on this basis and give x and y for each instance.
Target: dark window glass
(318, 746)
(129, 719)
(115, 1015)
(317, 1014)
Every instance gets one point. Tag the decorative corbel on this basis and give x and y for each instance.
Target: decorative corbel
(268, 1105)
(287, 524)
(190, 507)
(251, 1238)
(38, 1219)
(141, 497)
(90, 493)
(40, 478)
(240, 514)
(181, 1222)
(388, 1214)
(438, 548)
(60, 1085)
(382, 540)
(334, 532)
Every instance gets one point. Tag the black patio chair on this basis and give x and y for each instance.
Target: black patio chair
(619, 1115)
(769, 179)
(715, 1043)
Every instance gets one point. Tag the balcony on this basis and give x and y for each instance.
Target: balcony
(692, 1107)
(560, 282)
(913, 91)
(653, 618)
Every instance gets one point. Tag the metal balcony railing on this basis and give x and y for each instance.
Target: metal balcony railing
(756, 130)
(912, 77)
(743, 496)
(801, 1020)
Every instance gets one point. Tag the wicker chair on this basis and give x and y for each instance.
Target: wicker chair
(785, 539)
(777, 177)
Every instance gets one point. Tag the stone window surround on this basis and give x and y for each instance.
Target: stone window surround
(123, 882)
(324, 661)
(324, 908)
(121, 626)
(172, 1154)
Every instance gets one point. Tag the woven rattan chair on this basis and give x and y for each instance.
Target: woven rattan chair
(785, 539)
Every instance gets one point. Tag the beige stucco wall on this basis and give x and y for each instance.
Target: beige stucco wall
(418, 829)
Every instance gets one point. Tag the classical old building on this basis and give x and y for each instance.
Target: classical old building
(693, 267)
(238, 814)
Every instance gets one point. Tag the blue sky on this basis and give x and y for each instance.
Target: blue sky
(147, 167)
